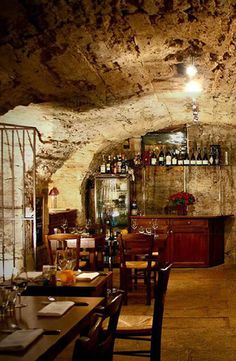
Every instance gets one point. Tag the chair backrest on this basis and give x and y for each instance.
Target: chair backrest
(100, 346)
(159, 302)
(133, 245)
(86, 347)
(63, 241)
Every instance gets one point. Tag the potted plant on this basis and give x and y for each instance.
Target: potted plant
(180, 201)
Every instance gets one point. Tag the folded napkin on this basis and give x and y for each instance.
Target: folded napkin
(20, 339)
(87, 276)
(57, 308)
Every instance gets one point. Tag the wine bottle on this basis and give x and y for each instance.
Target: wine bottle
(134, 208)
(114, 165)
(119, 164)
(205, 157)
(180, 158)
(153, 159)
(168, 158)
(108, 164)
(192, 159)
(161, 158)
(174, 158)
(186, 158)
(199, 157)
(123, 164)
(211, 157)
(103, 165)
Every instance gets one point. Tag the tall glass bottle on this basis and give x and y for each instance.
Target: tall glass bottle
(199, 157)
(153, 159)
(205, 157)
(168, 158)
(161, 158)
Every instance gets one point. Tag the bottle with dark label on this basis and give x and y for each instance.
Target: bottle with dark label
(199, 157)
(205, 157)
(168, 158)
(103, 165)
(161, 158)
(153, 159)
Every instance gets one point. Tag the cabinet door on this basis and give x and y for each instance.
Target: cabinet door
(189, 248)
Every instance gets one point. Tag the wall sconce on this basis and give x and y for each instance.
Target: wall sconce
(53, 193)
(193, 87)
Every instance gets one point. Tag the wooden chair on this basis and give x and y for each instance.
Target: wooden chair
(136, 255)
(99, 343)
(136, 327)
(63, 241)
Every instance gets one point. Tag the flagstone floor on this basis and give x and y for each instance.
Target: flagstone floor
(199, 320)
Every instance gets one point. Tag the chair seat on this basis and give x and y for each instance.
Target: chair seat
(134, 322)
(139, 264)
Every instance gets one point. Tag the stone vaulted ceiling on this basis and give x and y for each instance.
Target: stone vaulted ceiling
(87, 72)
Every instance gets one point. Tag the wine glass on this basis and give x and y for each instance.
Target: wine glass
(20, 280)
(64, 225)
(70, 258)
(134, 224)
(60, 259)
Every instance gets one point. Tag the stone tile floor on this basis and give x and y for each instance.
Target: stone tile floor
(200, 316)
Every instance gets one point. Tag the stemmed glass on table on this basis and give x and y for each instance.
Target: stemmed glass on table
(20, 281)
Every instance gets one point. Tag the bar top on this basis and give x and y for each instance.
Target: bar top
(167, 216)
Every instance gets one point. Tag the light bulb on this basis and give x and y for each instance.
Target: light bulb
(191, 70)
(193, 86)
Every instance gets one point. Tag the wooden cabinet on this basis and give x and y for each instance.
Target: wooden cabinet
(56, 219)
(190, 241)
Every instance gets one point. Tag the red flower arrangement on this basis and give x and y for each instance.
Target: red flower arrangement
(182, 198)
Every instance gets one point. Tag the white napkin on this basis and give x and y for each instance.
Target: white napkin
(87, 276)
(57, 308)
(19, 339)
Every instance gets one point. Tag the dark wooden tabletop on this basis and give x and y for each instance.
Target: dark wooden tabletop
(47, 347)
(94, 288)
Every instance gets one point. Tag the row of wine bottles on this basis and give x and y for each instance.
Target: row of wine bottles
(165, 157)
(114, 165)
(183, 157)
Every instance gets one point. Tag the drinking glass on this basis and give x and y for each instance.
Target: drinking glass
(70, 258)
(20, 281)
(64, 225)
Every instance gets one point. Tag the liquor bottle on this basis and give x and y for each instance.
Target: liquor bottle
(199, 157)
(103, 165)
(114, 165)
(153, 159)
(186, 159)
(137, 159)
(108, 164)
(123, 165)
(119, 163)
(205, 157)
(168, 158)
(192, 159)
(174, 158)
(134, 208)
(161, 158)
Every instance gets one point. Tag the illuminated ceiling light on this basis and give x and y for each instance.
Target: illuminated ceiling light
(191, 70)
(193, 87)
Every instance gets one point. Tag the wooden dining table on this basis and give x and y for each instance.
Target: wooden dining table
(95, 288)
(47, 346)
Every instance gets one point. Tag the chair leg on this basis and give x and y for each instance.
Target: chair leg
(148, 285)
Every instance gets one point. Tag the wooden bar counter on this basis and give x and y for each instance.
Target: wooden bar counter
(191, 241)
